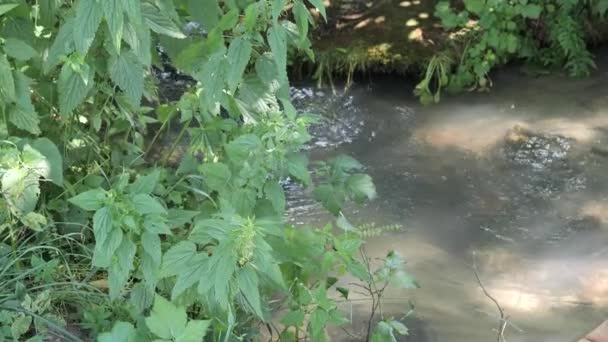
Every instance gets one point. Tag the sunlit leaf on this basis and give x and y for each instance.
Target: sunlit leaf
(160, 23)
(127, 73)
(166, 320)
(88, 17)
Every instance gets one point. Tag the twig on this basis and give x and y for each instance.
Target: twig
(500, 337)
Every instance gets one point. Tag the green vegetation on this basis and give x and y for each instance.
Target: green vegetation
(100, 240)
(548, 34)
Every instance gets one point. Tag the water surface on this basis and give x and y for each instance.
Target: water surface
(517, 176)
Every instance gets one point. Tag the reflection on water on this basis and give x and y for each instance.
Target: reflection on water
(508, 174)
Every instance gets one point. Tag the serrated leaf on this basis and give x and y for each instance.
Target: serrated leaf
(4, 8)
(212, 77)
(21, 189)
(141, 297)
(361, 186)
(179, 217)
(50, 151)
(278, 45)
(190, 273)
(89, 200)
(72, 87)
(88, 17)
(297, 166)
(177, 258)
(383, 333)
(151, 244)
(103, 253)
(216, 175)
(34, 221)
(248, 285)
(302, 17)
(331, 198)
(145, 184)
(206, 13)
(114, 13)
(320, 7)
(120, 269)
(102, 225)
(195, 331)
(7, 83)
(531, 11)
(146, 204)
(252, 12)
(166, 320)
(274, 192)
(23, 114)
(127, 73)
(20, 326)
(239, 53)
(240, 148)
(35, 161)
(133, 10)
(19, 49)
(121, 331)
(137, 35)
(293, 318)
(160, 23)
(63, 45)
(318, 321)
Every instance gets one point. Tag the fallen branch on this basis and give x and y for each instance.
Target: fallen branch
(504, 319)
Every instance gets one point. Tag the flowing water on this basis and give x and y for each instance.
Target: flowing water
(517, 176)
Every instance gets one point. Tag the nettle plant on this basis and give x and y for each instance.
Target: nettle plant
(190, 250)
(546, 33)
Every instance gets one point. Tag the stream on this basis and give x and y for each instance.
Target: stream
(515, 179)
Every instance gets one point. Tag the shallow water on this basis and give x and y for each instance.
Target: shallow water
(509, 175)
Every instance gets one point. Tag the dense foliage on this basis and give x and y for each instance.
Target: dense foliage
(100, 237)
(546, 33)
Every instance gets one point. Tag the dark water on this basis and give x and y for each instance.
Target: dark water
(517, 176)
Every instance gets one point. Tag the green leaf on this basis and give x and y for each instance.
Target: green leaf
(239, 53)
(88, 17)
(205, 230)
(319, 6)
(73, 87)
(179, 217)
(150, 271)
(330, 197)
(252, 12)
(278, 45)
(128, 73)
(141, 297)
(7, 83)
(102, 225)
(318, 321)
(293, 318)
(121, 331)
(114, 13)
(160, 23)
(120, 269)
(145, 184)
(48, 12)
(361, 186)
(23, 114)
(166, 320)
(89, 200)
(133, 10)
(35, 161)
(20, 326)
(229, 20)
(151, 245)
(4, 8)
(240, 148)
(206, 13)
(195, 331)
(531, 11)
(103, 253)
(475, 6)
(212, 77)
(50, 151)
(399, 327)
(275, 194)
(137, 35)
(146, 204)
(297, 165)
(243, 201)
(177, 258)
(21, 189)
(190, 273)
(34, 221)
(63, 45)
(302, 17)
(217, 175)
(19, 49)
(383, 333)
(248, 285)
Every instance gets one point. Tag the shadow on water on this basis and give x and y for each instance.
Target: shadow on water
(509, 174)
